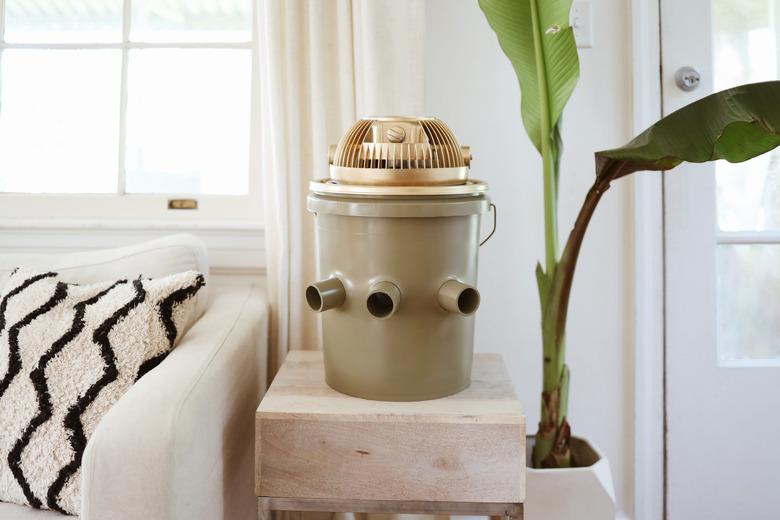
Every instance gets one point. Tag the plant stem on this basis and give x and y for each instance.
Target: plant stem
(550, 207)
(554, 384)
(555, 375)
(549, 165)
(552, 353)
(551, 448)
(564, 277)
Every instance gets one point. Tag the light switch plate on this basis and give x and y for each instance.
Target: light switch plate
(582, 23)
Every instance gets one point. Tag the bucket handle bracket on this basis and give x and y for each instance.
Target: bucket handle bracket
(495, 219)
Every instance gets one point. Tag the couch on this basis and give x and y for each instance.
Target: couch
(179, 443)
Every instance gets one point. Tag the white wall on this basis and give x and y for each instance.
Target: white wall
(471, 85)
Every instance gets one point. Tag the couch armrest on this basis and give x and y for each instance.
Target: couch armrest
(179, 444)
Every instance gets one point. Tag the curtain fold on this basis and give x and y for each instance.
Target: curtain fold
(322, 64)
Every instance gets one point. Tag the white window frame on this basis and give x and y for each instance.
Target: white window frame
(649, 282)
(141, 210)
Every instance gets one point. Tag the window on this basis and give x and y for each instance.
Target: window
(747, 49)
(111, 106)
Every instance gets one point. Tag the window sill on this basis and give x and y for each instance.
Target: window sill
(235, 247)
(113, 208)
(129, 224)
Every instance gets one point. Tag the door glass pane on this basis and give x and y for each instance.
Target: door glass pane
(58, 21)
(188, 121)
(746, 43)
(191, 20)
(748, 292)
(59, 120)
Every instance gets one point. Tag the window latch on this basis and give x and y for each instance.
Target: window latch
(182, 204)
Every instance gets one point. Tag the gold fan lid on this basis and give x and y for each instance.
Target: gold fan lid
(399, 151)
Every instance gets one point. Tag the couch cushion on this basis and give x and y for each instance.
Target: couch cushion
(153, 259)
(67, 354)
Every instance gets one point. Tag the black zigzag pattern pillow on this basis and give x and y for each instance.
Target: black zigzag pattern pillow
(67, 353)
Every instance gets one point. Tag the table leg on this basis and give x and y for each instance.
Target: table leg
(515, 513)
(263, 509)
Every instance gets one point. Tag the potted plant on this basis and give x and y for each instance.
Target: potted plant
(568, 477)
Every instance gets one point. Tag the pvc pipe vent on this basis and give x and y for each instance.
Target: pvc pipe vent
(383, 299)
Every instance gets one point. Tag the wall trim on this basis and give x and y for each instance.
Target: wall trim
(649, 429)
(235, 248)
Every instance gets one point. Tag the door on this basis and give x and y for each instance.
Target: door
(722, 233)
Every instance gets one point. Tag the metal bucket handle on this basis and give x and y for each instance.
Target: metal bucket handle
(495, 217)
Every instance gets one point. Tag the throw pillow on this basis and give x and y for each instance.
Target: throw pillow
(67, 354)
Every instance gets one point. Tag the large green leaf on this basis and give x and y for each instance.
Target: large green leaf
(735, 124)
(536, 37)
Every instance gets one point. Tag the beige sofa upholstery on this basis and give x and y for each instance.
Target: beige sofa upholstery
(179, 444)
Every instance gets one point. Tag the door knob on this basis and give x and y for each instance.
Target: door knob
(687, 78)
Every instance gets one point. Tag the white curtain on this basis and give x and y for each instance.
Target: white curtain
(322, 64)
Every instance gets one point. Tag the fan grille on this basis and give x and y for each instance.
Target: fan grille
(422, 143)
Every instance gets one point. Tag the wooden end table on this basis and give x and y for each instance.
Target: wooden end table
(320, 450)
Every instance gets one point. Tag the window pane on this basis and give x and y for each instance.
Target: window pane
(191, 20)
(58, 21)
(748, 296)
(747, 49)
(59, 120)
(188, 121)
(749, 193)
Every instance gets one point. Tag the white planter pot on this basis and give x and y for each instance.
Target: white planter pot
(584, 493)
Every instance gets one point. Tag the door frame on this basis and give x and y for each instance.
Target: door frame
(649, 279)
